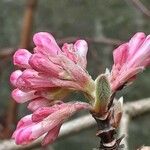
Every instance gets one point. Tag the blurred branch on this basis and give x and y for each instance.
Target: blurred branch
(144, 148)
(137, 108)
(101, 40)
(123, 130)
(141, 7)
(28, 23)
(6, 52)
(11, 118)
(132, 109)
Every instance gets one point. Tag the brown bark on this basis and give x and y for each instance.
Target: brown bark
(12, 112)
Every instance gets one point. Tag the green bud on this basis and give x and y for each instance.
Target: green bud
(117, 111)
(102, 94)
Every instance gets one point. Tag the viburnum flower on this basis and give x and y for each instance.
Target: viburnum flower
(129, 59)
(45, 120)
(50, 72)
(44, 79)
(48, 75)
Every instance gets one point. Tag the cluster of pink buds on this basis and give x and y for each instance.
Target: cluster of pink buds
(44, 79)
(48, 75)
(129, 59)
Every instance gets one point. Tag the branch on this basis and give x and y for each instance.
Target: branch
(103, 40)
(28, 23)
(139, 5)
(11, 119)
(123, 130)
(137, 108)
(144, 148)
(75, 126)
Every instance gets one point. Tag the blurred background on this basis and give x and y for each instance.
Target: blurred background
(103, 23)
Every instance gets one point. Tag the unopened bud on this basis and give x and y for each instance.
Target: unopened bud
(103, 93)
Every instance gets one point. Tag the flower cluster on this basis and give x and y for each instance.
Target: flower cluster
(48, 75)
(44, 79)
(129, 59)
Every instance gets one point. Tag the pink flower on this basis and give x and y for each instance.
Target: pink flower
(129, 59)
(45, 120)
(46, 77)
(50, 72)
(21, 58)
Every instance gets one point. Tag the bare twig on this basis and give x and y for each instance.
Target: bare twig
(144, 148)
(138, 107)
(124, 124)
(141, 7)
(24, 43)
(103, 40)
(131, 109)
(28, 23)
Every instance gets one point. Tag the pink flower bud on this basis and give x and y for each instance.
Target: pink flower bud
(21, 58)
(81, 48)
(129, 59)
(51, 136)
(14, 76)
(69, 51)
(42, 113)
(42, 63)
(21, 97)
(25, 121)
(38, 103)
(50, 120)
(45, 43)
(77, 52)
(31, 79)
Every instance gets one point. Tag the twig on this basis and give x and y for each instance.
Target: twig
(103, 40)
(141, 7)
(123, 130)
(24, 43)
(144, 148)
(138, 107)
(133, 109)
(28, 23)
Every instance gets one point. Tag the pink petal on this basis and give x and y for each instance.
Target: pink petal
(31, 79)
(51, 136)
(57, 118)
(142, 55)
(42, 63)
(120, 54)
(25, 121)
(81, 78)
(69, 51)
(14, 76)
(42, 113)
(21, 58)
(38, 103)
(81, 47)
(135, 43)
(22, 136)
(46, 43)
(21, 97)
